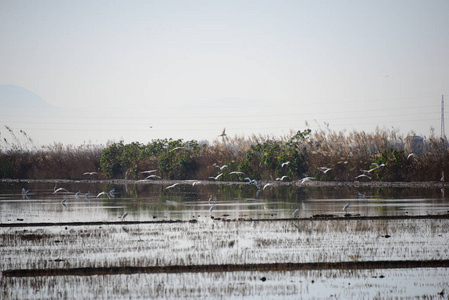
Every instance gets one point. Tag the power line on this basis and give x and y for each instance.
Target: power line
(443, 134)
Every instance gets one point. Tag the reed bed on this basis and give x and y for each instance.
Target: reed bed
(348, 154)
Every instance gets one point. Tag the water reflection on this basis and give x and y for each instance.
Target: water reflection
(210, 241)
(185, 201)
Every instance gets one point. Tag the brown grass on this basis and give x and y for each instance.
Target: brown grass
(347, 153)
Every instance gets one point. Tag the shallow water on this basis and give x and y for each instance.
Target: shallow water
(184, 202)
(327, 284)
(238, 231)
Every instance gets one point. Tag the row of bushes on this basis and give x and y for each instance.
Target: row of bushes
(258, 157)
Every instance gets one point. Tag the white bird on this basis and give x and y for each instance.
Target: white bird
(195, 183)
(90, 173)
(363, 175)
(377, 166)
(216, 177)
(223, 133)
(307, 179)
(222, 167)
(345, 208)
(171, 186)
(148, 172)
(410, 155)
(211, 198)
(282, 178)
(247, 178)
(103, 193)
(64, 200)
(254, 181)
(177, 148)
(236, 172)
(296, 212)
(152, 176)
(60, 190)
(324, 169)
(124, 215)
(77, 194)
(267, 185)
(212, 208)
(285, 163)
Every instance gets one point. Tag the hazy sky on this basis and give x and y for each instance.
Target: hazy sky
(141, 70)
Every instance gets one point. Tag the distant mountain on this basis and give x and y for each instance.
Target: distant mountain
(12, 95)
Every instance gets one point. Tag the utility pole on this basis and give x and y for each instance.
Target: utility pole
(443, 133)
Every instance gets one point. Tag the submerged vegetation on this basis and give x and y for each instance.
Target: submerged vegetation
(297, 155)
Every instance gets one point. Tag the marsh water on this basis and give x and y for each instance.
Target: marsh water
(244, 243)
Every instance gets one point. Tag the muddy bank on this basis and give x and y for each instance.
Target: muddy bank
(353, 265)
(347, 217)
(297, 183)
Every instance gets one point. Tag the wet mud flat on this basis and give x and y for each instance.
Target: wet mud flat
(215, 257)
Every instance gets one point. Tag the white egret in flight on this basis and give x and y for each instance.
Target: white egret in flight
(324, 169)
(171, 186)
(148, 172)
(216, 177)
(90, 173)
(267, 185)
(103, 193)
(60, 190)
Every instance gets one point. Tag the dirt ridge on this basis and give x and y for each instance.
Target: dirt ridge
(402, 264)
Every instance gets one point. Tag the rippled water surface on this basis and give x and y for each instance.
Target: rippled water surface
(246, 227)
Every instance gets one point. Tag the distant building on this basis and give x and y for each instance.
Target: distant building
(414, 144)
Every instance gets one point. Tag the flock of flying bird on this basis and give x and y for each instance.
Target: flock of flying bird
(56, 190)
(374, 166)
(150, 175)
(256, 183)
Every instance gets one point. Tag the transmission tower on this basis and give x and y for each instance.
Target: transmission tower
(443, 134)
